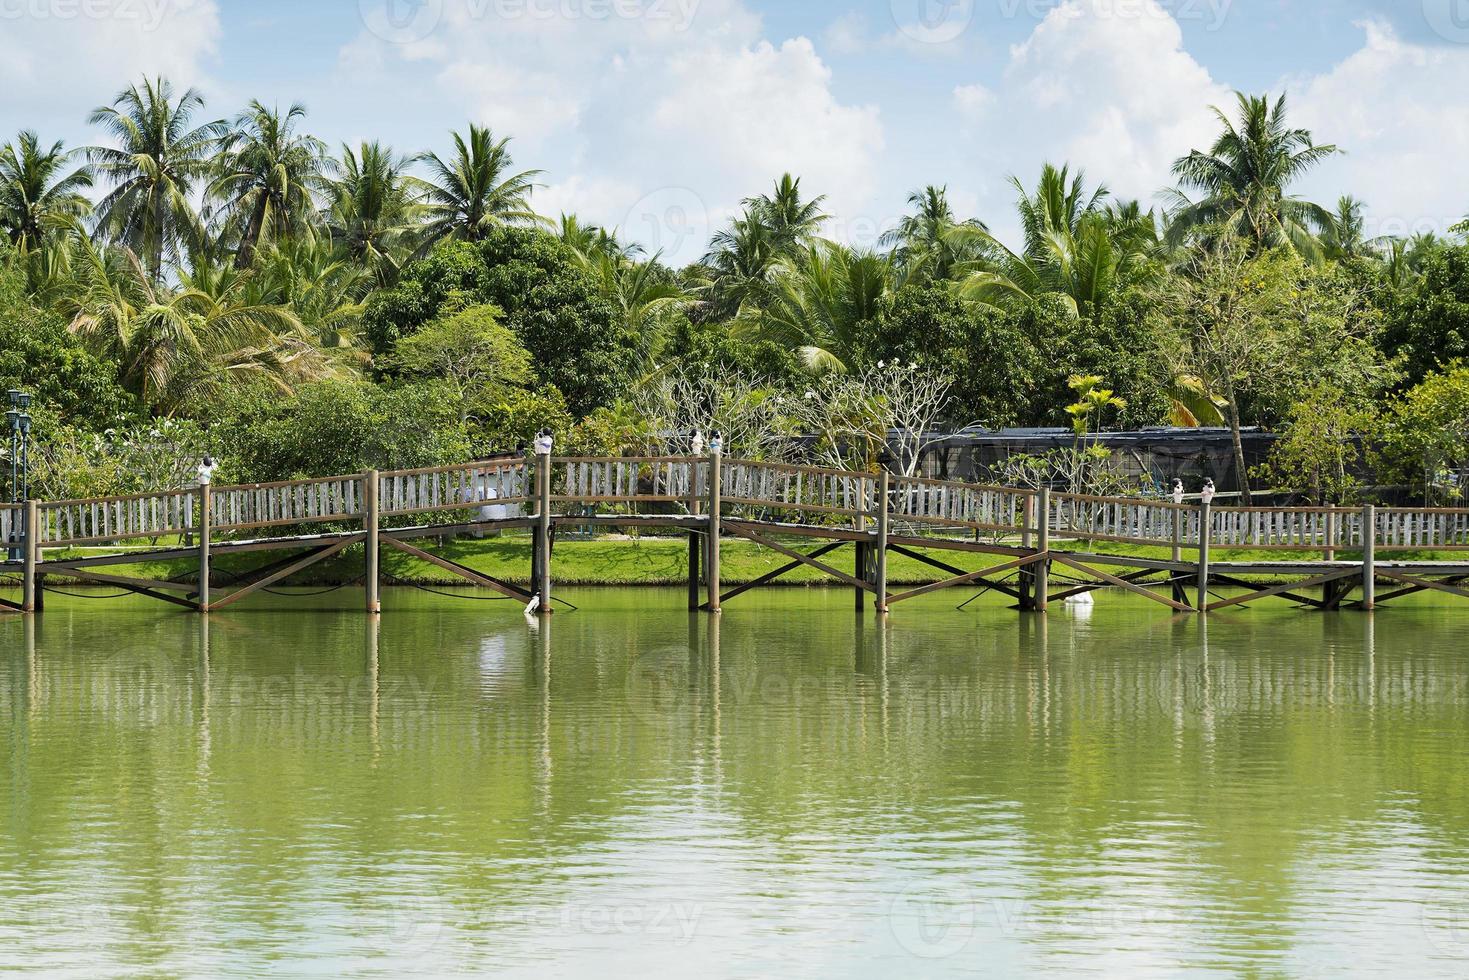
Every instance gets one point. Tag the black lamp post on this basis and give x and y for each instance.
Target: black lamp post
(19, 421)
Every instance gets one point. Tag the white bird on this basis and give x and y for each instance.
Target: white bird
(1178, 491)
(698, 445)
(1085, 599)
(534, 606)
(1208, 493)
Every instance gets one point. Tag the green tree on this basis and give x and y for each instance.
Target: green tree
(474, 189)
(334, 427)
(1244, 180)
(37, 194)
(998, 370)
(1430, 326)
(268, 175)
(159, 161)
(1426, 437)
(1322, 444)
(577, 340)
(477, 357)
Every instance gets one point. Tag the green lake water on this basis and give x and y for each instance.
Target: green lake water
(290, 787)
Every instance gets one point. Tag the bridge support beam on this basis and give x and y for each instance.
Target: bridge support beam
(1205, 532)
(716, 504)
(30, 555)
(1369, 557)
(1043, 567)
(543, 533)
(205, 502)
(371, 521)
(884, 528)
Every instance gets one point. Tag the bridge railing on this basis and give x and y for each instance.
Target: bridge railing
(930, 504)
(781, 490)
(100, 520)
(647, 479)
(1125, 521)
(1408, 529)
(443, 489)
(10, 519)
(286, 503)
(751, 489)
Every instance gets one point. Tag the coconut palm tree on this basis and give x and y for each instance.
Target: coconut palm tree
(268, 177)
(822, 304)
(371, 212)
(474, 190)
(1244, 177)
(176, 345)
(791, 221)
(1345, 236)
(921, 242)
(159, 159)
(36, 192)
(308, 275)
(1056, 207)
(590, 242)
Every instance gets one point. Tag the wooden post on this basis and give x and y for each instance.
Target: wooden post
(1369, 557)
(1205, 531)
(205, 503)
(711, 573)
(1027, 574)
(543, 535)
(696, 540)
(31, 553)
(1330, 550)
(884, 523)
(862, 567)
(370, 524)
(1043, 567)
(1178, 534)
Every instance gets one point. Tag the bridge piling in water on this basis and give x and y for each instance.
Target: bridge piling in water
(203, 522)
(371, 523)
(715, 528)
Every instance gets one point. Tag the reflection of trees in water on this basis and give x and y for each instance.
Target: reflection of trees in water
(1073, 756)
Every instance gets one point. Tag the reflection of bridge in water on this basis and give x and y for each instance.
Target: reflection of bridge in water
(1029, 540)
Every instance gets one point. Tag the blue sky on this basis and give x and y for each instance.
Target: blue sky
(658, 116)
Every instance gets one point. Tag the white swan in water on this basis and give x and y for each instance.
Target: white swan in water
(1085, 599)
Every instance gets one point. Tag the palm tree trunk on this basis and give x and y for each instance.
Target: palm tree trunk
(245, 257)
(1239, 449)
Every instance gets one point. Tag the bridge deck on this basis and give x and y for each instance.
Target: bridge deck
(1024, 533)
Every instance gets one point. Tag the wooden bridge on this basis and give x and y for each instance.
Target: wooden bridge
(1038, 547)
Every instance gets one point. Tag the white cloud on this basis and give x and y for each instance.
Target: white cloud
(1111, 88)
(680, 115)
(973, 101)
(78, 54)
(1404, 153)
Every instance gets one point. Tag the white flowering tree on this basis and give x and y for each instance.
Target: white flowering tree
(852, 417)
